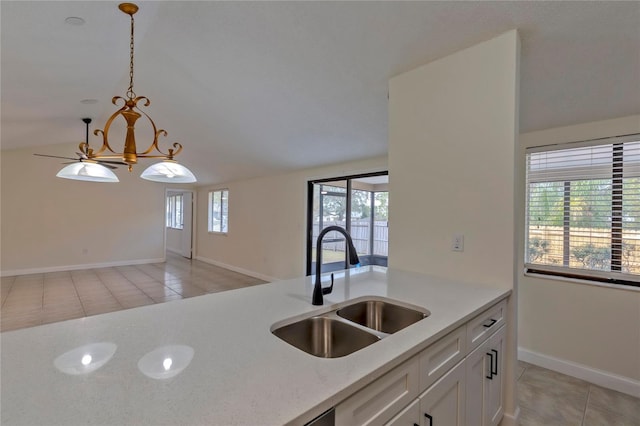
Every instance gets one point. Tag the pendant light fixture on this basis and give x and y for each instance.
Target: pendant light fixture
(92, 172)
(82, 168)
(167, 171)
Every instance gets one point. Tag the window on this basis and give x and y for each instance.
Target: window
(219, 211)
(583, 210)
(174, 211)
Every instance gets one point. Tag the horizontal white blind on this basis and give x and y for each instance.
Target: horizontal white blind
(583, 209)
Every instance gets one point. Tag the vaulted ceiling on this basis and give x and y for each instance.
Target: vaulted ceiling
(255, 88)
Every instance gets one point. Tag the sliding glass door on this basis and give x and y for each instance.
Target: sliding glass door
(356, 203)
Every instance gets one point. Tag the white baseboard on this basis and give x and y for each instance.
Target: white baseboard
(236, 269)
(13, 272)
(511, 419)
(598, 377)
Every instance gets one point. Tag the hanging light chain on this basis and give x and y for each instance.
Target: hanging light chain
(130, 93)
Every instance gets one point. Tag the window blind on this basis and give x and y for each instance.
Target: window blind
(583, 210)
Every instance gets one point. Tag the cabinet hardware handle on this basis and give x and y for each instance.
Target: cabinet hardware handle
(493, 321)
(496, 369)
(430, 419)
(490, 376)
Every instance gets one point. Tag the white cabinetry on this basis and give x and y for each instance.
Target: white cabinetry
(443, 403)
(410, 416)
(485, 381)
(483, 325)
(438, 358)
(460, 377)
(379, 401)
(497, 347)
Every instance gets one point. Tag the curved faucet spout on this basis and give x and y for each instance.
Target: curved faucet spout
(318, 291)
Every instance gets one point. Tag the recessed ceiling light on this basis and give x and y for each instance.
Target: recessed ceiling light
(89, 101)
(74, 20)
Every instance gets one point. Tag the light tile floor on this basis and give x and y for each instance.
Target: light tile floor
(546, 398)
(29, 300)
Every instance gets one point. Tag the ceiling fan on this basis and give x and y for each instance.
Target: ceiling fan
(83, 155)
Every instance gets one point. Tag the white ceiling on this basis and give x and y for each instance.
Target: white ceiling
(255, 88)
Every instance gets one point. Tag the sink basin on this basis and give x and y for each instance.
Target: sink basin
(325, 337)
(347, 329)
(381, 316)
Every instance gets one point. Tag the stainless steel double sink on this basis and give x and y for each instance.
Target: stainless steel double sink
(348, 328)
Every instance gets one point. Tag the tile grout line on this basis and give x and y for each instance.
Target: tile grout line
(9, 291)
(75, 288)
(111, 293)
(42, 301)
(584, 413)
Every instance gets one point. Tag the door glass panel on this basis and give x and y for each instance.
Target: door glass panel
(329, 209)
(360, 228)
(381, 224)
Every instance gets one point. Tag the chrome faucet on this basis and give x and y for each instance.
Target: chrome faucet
(351, 255)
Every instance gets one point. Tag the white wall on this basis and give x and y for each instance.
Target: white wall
(51, 223)
(452, 142)
(596, 327)
(267, 221)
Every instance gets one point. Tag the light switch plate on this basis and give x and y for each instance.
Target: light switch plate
(457, 243)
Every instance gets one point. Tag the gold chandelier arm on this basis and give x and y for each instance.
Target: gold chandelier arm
(84, 147)
(105, 133)
(177, 147)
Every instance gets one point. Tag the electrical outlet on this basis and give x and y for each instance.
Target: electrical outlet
(457, 243)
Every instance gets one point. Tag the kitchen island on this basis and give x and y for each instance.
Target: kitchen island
(228, 368)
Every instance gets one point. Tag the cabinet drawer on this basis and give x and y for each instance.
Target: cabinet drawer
(441, 356)
(482, 326)
(381, 400)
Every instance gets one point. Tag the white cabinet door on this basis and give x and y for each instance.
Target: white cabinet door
(443, 404)
(478, 368)
(485, 381)
(410, 416)
(493, 408)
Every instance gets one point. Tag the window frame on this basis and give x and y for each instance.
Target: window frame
(615, 275)
(223, 216)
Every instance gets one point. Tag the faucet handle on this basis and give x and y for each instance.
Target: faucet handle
(328, 290)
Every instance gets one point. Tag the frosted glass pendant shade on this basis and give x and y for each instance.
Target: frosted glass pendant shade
(168, 171)
(91, 172)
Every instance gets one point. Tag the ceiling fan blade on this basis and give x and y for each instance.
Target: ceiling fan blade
(56, 156)
(121, 163)
(81, 155)
(99, 162)
(107, 165)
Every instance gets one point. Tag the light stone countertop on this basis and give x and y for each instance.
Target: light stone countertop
(240, 373)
